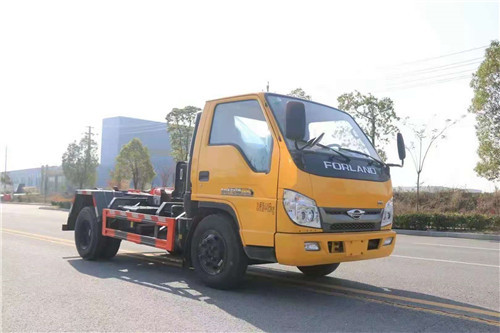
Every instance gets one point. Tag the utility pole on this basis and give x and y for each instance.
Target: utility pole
(45, 183)
(89, 138)
(41, 179)
(267, 87)
(5, 173)
(89, 146)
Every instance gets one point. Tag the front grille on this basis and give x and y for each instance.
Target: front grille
(354, 226)
(343, 211)
(337, 220)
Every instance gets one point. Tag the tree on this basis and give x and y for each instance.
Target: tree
(134, 162)
(180, 126)
(80, 162)
(486, 106)
(376, 117)
(166, 174)
(426, 138)
(5, 179)
(299, 93)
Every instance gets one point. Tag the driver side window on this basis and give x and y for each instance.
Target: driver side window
(242, 124)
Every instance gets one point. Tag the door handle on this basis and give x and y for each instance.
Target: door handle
(204, 176)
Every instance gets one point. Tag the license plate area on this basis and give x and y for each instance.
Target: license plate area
(355, 247)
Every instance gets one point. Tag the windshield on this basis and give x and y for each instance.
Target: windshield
(340, 130)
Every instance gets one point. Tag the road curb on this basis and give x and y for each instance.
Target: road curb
(54, 208)
(448, 234)
(25, 203)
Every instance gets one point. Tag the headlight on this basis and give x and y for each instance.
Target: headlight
(388, 213)
(301, 209)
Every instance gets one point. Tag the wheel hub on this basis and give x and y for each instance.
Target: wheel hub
(211, 253)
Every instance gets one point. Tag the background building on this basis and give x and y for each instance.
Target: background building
(55, 180)
(118, 131)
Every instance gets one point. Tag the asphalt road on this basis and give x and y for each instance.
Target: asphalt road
(429, 284)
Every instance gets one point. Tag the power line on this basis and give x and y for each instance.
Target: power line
(443, 56)
(144, 130)
(422, 84)
(423, 79)
(458, 64)
(138, 127)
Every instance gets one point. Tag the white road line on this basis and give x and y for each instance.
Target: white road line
(449, 261)
(463, 247)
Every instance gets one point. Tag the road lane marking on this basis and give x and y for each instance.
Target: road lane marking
(61, 241)
(384, 295)
(459, 246)
(443, 260)
(334, 290)
(407, 306)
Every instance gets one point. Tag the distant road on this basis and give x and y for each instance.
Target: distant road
(429, 284)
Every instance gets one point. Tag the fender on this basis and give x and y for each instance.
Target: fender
(258, 254)
(81, 200)
(99, 199)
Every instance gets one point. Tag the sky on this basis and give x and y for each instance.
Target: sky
(66, 65)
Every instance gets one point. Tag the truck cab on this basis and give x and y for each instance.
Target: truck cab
(302, 180)
(270, 179)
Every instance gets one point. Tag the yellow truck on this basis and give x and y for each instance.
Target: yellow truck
(270, 179)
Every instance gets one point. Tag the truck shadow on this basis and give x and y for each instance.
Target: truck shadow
(275, 300)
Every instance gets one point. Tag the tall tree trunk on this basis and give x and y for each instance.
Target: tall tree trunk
(135, 180)
(418, 190)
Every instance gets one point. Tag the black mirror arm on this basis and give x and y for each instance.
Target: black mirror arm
(396, 165)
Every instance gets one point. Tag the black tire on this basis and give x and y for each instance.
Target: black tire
(88, 237)
(111, 247)
(217, 254)
(90, 242)
(318, 270)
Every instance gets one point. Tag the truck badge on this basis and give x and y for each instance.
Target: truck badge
(355, 213)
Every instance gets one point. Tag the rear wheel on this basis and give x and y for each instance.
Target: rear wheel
(217, 254)
(90, 242)
(111, 247)
(318, 270)
(88, 237)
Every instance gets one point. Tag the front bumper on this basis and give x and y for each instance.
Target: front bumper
(290, 247)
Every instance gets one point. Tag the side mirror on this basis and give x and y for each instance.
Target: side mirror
(295, 120)
(401, 147)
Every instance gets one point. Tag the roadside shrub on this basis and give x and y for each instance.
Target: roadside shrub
(447, 221)
(449, 201)
(61, 204)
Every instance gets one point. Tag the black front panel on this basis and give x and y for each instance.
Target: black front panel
(331, 165)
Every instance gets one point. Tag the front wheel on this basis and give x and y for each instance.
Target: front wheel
(318, 270)
(217, 254)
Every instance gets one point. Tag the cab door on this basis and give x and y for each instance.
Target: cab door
(237, 165)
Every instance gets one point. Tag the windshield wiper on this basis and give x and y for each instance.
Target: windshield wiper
(364, 154)
(347, 158)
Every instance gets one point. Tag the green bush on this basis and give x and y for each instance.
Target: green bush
(447, 221)
(61, 204)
